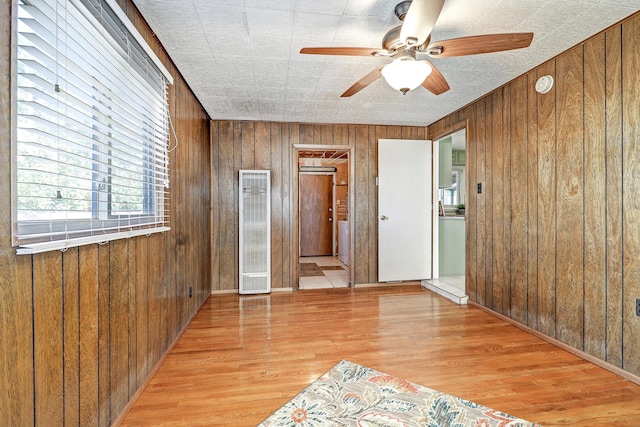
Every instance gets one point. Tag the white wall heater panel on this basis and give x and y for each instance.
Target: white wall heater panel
(255, 231)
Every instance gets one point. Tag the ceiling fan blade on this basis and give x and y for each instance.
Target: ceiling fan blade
(435, 82)
(363, 82)
(419, 21)
(348, 51)
(474, 45)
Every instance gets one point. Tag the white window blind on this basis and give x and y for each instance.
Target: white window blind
(91, 127)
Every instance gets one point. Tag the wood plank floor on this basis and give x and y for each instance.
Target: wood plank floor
(243, 357)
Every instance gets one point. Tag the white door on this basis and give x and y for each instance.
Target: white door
(405, 210)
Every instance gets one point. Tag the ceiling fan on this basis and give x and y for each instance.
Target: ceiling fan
(413, 37)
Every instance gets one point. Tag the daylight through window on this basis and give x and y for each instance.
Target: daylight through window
(91, 127)
(451, 196)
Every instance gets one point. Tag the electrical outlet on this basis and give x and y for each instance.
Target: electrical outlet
(637, 306)
(190, 291)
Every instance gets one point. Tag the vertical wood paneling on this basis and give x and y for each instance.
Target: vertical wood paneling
(226, 203)
(317, 134)
(507, 188)
(48, 350)
(237, 165)
(140, 270)
(200, 219)
(498, 217)
(305, 133)
(118, 325)
(16, 320)
(481, 201)
(613, 88)
(288, 255)
(630, 200)
(327, 135)
(104, 361)
(595, 190)
(532, 202)
(547, 206)
(565, 255)
(274, 141)
(294, 135)
(570, 199)
(155, 296)
(163, 293)
(488, 207)
(361, 209)
(175, 247)
(518, 212)
(394, 132)
(71, 354)
(263, 146)
(375, 133)
(89, 332)
(248, 151)
(133, 321)
(214, 161)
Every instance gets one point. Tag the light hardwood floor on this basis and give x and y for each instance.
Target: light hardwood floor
(243, 357)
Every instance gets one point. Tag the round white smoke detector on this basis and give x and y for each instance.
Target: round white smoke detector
(544, 84)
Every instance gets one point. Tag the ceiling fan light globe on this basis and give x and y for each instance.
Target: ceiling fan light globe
(405, 75)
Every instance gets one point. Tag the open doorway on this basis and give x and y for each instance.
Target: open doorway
(323, 216)
(450, 229)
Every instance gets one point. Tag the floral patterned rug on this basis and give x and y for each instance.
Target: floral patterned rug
(353, 395)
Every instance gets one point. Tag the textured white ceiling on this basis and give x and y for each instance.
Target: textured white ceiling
(241, 57)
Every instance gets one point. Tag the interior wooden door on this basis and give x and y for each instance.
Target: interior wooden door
(316, 215)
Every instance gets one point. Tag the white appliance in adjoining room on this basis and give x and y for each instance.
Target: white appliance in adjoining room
(343, 242)
(255, 231)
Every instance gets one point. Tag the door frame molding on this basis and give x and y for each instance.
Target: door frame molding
(294, 241)
(436, 137)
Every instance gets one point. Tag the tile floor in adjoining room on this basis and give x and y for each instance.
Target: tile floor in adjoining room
(322, 273)
(450, 287)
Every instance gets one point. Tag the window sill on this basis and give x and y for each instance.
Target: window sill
(63, 245)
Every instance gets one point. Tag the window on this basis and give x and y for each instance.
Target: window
(451, 196)
(91, 127)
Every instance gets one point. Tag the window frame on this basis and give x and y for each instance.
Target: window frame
(459, 176)
(103, 201)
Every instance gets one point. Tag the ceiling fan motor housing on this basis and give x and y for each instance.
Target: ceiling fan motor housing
(401, 9)
(391, 41)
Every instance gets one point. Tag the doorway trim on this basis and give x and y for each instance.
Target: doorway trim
(436, 137)
(295, 207)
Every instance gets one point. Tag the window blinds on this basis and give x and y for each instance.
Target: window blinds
(91, 130)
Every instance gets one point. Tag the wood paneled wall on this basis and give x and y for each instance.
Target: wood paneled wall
(239, 145)
(553, 241)
(81, 330)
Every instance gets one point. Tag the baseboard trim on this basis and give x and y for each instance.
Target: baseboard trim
(586, 356)
(224, 291)
(387, 284)
(236, 292)
(277, 290)
(153, 371)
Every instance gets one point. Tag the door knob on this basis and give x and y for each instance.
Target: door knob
(330, 219)
(384, 217)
